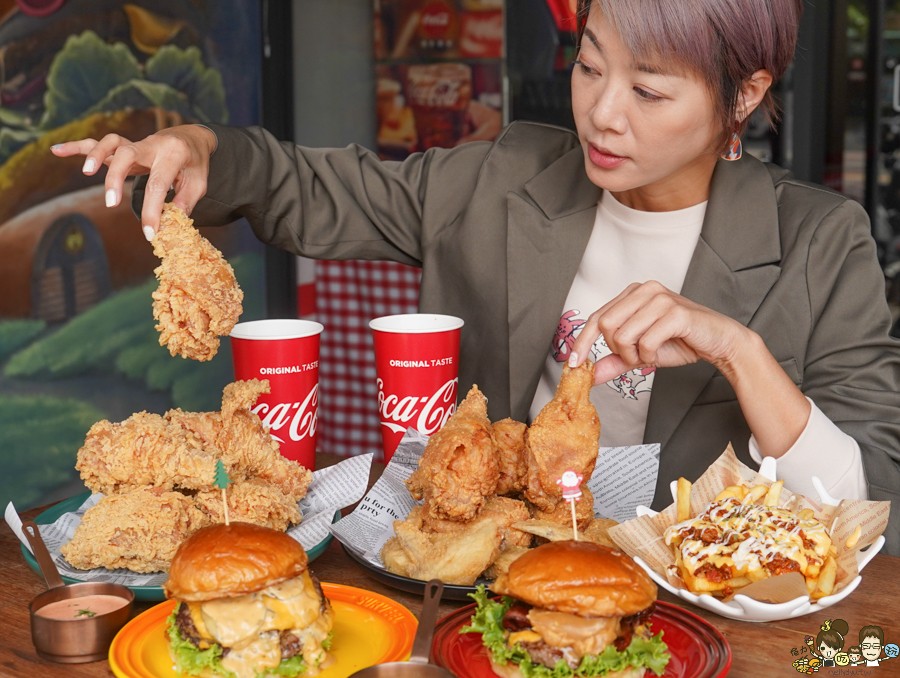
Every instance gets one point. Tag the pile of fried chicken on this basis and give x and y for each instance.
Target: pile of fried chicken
(488, 489)
(158, 477)
(198, 298)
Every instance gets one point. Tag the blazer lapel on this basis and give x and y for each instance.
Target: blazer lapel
(549, 225)
(732, 270)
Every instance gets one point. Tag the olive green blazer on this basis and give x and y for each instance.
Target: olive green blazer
(499, 230)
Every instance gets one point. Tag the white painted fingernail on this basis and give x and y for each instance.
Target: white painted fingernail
(148, 233)
(573, 360)
(89, 165)
(112, 197)
(56, 146)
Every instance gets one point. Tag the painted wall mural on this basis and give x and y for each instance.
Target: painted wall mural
(77, 337)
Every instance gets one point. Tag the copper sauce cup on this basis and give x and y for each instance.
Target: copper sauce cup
(72, 641)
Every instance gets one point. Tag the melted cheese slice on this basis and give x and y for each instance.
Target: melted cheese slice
(254, 658)
(585, 635)
(233, 621)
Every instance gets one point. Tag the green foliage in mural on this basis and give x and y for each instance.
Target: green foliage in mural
(16, 333)
(119, 334)
(82, 73)
(39, 438)
(90, 76)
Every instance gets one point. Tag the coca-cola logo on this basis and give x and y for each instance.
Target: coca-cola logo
(299, 417)
(437, 93)
(430, 413)
(435, 20)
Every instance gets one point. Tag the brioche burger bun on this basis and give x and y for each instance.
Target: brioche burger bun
(571, 606)
(248, 607)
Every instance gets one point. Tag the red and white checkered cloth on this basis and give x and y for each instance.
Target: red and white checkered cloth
(348, 294)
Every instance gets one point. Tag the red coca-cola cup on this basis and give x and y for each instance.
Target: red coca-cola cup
(286, 352)
(416, 366)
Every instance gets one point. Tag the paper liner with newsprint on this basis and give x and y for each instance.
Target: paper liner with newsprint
(332, 488)
(643, 536)
(623, 478)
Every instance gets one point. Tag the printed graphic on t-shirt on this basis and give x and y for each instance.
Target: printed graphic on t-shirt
(630, 384)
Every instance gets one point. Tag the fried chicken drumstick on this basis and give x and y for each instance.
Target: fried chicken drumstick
(565, 436)
(198, 298)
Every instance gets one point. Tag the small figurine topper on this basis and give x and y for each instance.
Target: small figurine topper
(221, 481)
(571, 492)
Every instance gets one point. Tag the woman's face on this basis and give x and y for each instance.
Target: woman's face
(649, 130)
(826, 651)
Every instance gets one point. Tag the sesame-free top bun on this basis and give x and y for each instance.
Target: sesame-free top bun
(578, 577)
(225, 561)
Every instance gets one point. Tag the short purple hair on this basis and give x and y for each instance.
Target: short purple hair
(724, 41)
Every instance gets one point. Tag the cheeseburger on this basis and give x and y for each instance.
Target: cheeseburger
(248, 607)
(571, 607)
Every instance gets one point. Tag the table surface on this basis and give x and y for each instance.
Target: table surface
(758, 649)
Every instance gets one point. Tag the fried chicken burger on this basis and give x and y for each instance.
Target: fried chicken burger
(571, 607)
(248, 607)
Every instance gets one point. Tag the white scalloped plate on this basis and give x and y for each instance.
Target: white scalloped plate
(743, 608)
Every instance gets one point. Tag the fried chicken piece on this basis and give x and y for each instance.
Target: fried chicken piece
(254, 501)
(454, 558)
(510, 438)
(139, 531)
(144, 450)
(561, 514)
(180, 450)
(198, 298)
(508, 555)
(503, 510)
(459, 466)
(565, 436)
(597, 531)
(241, 440)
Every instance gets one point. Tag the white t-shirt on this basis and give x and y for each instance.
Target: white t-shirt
(632, 246)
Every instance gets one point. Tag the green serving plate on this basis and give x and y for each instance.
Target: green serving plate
(71, 505)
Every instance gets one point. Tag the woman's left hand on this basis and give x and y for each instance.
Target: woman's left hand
(648, 325)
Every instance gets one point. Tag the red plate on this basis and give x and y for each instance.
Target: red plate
(698, 650)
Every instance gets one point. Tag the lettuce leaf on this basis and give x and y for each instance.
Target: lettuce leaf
(189, 658)
(488, 621)
(289, 667)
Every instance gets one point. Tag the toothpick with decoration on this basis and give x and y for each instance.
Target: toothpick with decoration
(571, 492)
(222, 480)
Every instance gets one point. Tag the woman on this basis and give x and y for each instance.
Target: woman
(758, 298)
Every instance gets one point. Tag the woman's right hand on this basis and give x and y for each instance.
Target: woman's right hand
(176, 157)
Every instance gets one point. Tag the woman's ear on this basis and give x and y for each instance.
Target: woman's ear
(752, 93)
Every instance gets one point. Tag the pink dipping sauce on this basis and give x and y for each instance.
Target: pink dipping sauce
(83, 607)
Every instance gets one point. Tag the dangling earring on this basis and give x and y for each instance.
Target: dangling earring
(735, 149)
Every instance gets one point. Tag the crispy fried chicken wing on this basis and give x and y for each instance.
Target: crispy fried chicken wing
(139, 531)
(459, 466)
(144, 450)
(565, 436)
(198, 298)
(180, 449)
(510, 438)
(454, 558)
(254, 501)
(502, 510)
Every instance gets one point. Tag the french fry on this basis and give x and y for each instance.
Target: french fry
(735, 491)
(683, 502)
(774, 493)
(806, 514)
(853, 538)
(826, 579)
(755, 494)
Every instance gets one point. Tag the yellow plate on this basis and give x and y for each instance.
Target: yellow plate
(368, 629)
